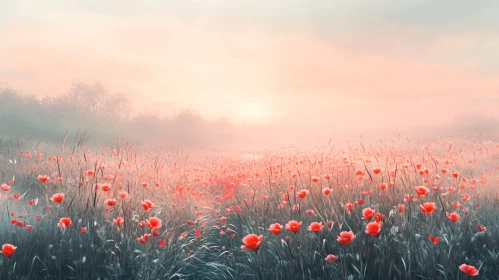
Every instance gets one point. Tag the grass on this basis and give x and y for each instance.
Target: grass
(251, 193)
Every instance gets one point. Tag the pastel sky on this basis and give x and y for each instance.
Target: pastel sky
(366, 63)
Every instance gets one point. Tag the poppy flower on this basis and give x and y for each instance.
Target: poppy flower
(401, 208)
(373, 228)
(118, 221)
(275, 228)
(481, 228)
(377, 170)
(468, 270)
(379, 217)
(64, 222)
(8, 250)
(315, 179)
(329, 224)
(293, 226)
(434, 239)
(43, 178)
(154, 223)
(110, 201)
(123, 194)
(252, 242)
(454, 217)
(349, 206)
(422, 190)
(302, 193)
(428, 207)
(5, 187)
(310, 212)
(105, 187)
(161, 243)
(83, 230)
(315, 227)
(331, 258)
(367, 214)
(326, 191)
(455, 174)
(147, 204)
(346, 237)
(144, 238)
(465, 197)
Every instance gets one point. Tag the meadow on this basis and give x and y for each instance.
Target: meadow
(391, 209)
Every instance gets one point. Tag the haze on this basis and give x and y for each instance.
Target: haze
(290, 66)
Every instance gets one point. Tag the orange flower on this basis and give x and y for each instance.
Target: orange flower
(346, 237)
(293, 226)
(252, 242)
(64, 222)
(468, 270)
(367, 213)
(331, 258)
(434, 239)
(8, 250)
(275, 228)
(315, 227)
(154, 223)
(454, 217)
(373, 228)
(428, 207)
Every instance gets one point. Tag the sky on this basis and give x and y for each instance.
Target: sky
(366, 64)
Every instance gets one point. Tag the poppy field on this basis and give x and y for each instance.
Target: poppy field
(392, 209)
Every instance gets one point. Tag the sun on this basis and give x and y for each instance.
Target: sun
(253, 112)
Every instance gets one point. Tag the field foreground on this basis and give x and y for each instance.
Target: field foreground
(394, 210)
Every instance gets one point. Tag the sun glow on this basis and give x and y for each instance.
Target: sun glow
(253, 112)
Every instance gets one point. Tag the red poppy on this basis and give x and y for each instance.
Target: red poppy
(481, 228)
(123, 194)
(154, 223)
(161, 243)
(64, 222)
(331, 258)
(469, 270)
(315, 227)
(428, 207)
(454, 217)
(8, 250)
(373, 228)
(110, 201)
(346, 237)
(118, 221)
(147, 204)
(293, 226)
(434, 239)
(144, 238)
(275, 228)
(326, 191)
(377, 170)
(401, 208)
(367, 214)
(5, 187)
(83, 230)
(302, 193)
(422, 190)
(349, 206)
(252, 242)
(43, 178)
(105, 187)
